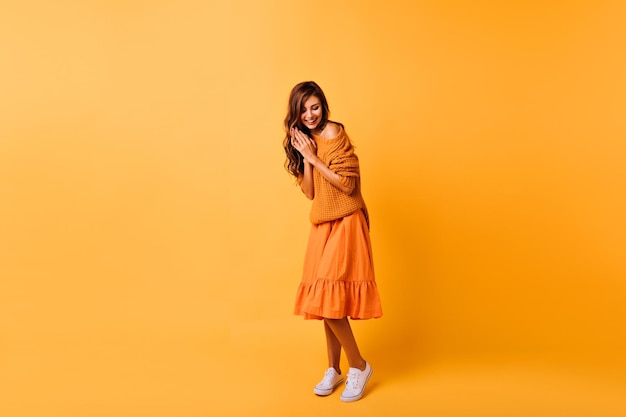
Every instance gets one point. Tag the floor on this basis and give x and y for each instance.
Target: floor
(264, 370)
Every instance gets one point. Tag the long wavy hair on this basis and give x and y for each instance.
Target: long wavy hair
(298, 96)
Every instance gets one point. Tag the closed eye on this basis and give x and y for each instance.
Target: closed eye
(312, 108)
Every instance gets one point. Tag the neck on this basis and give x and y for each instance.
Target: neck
(318, 130)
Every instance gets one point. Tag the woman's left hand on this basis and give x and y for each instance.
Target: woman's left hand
(304, 144)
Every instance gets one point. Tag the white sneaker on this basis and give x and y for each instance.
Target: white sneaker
(355, 384)
(328, 384)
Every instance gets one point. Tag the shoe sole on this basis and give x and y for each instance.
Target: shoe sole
(325, 392)
(358, 397)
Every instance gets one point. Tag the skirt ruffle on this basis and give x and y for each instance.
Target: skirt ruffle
(338, 277)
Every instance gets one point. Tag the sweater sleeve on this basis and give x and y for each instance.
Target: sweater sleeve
(330, 201)
(345, 163)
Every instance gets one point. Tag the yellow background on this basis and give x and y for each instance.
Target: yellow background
(151, 241)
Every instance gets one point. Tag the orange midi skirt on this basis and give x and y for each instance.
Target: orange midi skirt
(338, 277)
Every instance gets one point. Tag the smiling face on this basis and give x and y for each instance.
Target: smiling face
(311, 113)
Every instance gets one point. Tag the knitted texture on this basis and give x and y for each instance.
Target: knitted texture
(330, 203)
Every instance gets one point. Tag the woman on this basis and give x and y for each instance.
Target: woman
(338, 278)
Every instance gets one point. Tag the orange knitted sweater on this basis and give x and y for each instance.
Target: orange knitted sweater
(329, 202)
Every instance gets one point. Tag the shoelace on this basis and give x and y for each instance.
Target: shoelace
(353, 380)
(328, 377)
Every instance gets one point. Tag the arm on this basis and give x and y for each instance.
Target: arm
(334, 178)
(306, 181)
(306, 146)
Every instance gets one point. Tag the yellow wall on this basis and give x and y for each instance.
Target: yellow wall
(151, 242)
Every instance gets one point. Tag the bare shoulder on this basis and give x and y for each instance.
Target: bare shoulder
(331, 130)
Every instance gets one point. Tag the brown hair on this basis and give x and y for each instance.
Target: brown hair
(298, 96)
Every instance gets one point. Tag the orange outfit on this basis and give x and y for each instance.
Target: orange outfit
(338, 274)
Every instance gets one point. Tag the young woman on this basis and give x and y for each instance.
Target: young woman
(338, 278)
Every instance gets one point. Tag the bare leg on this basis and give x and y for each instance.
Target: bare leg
(343, 333)
(334, 348)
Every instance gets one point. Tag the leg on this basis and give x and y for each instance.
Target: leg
(331, 379)
(360, 371)
(334, 348)
(343, 333)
